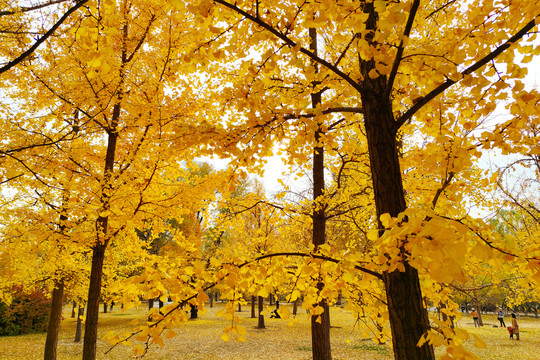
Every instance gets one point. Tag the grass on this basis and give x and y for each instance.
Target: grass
(200, 339)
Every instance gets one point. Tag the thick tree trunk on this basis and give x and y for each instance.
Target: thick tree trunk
(479, 310)
(408, 316)
(78, 329)
(54, 321)
(253, 299)
(92, 312)
(260, 325)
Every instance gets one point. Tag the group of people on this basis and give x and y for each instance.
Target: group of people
(513, 330)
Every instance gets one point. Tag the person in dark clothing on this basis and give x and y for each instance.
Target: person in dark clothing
(275, 313)
(500, 317)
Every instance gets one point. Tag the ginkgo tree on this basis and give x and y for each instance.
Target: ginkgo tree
(110, 66)
(294, 72)
(387, 62)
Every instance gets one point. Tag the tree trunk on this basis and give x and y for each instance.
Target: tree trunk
(73, 310)
(295, 307)
(92, 312)
(102, 236)
(78, 329)
(479, 310)
(320, 326)
(239, 307)
(253, 299)
(408, 316)
(54, 321)
(211, 299)
(260, 325)
(150, 306)
(104, 307)
(194, 312)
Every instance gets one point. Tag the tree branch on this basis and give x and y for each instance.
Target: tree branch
(449, 82)
(401, 48)
(291, 43)
(42, 39)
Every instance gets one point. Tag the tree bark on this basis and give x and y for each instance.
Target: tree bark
(78, 329)
(479, 310)
(150, 306)
(260, 325)
(54, 321)
(253, 299)
(320, 326)
(73, 310)
(92, 312)
(408, 316)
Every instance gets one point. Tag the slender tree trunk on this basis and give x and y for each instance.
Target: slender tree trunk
(253, 299)
(54, 321)
(78, 329)
(150, 306)
(320, 326)
(239, 307)
(211, 299)
(73, 310)
(295, 307)
(104, 307)
(260, 325)
(57, 296)
(92, 312)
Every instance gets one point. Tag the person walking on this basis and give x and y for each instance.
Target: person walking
(474, 315)
(500, 317)
(515, 327)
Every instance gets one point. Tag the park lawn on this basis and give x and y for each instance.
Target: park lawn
(200, 339)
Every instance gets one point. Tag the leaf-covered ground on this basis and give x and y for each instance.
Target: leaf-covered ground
(200, 339)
